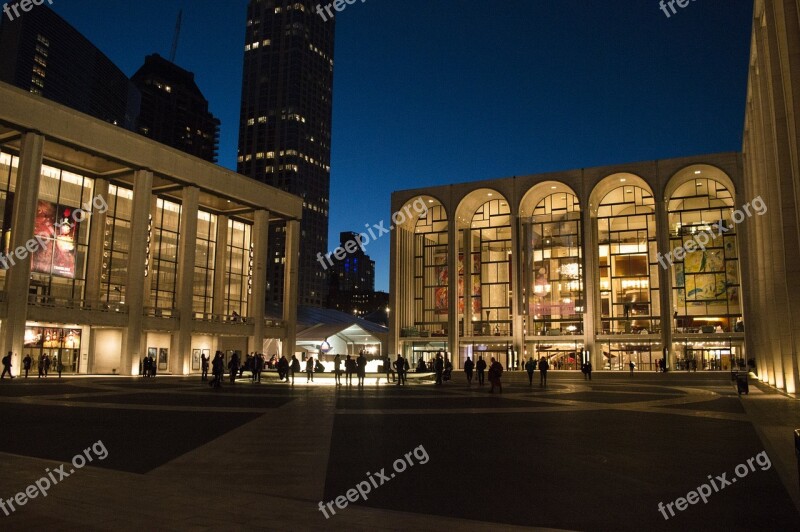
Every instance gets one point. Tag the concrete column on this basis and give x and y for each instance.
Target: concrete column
(452, 290)
(516, 286)
(94, 262)
(181, 344)
(221, 265)
(469, 247)
(18, 275)
(394, 292)
(132, 338)
(256, 299)
(290, 282)
(665, 279)
(591, 287)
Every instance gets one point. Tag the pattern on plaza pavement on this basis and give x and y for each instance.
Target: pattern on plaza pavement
(525, 458)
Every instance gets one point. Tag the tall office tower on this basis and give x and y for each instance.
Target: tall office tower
(42, 53)
(174, 111)
(285, 127)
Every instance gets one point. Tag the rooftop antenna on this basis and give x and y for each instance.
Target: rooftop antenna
(175, 39)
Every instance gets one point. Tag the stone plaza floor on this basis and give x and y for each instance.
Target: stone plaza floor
(578, 455)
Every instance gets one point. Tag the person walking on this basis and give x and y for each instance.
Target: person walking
(283, 369)
(204, 361)
(631, 365)
(589, 370)
(46, 365)
(349, 369)
(295, 367)
(495, 371)
(530, 367)
(233, 366)
(59, 366)
(26, 364)
(468, 366)
(7, 366)
(481, 367)
(361, 364)
(337, 369)
(543, 367)
(438, 367)
(388, 368)
(41, 366)
(258, 366)
(310, 370)
(217, 370)
(400, 365)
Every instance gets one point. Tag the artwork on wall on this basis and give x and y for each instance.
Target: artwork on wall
(196, 359)
(163, 353)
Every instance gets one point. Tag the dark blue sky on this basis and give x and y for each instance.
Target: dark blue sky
(430, 92)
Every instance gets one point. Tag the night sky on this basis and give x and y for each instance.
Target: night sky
(431, 92)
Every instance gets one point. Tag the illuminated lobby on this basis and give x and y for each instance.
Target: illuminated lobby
(167, 260)
(565, 266)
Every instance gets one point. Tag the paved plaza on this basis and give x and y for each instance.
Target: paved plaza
(578, 455)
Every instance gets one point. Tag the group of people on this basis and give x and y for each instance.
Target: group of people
(357, 366)
(148, 367)
(495, 372)
(45, 362)
(544, 367)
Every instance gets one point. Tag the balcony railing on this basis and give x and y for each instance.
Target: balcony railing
(222, 318)
(153, 312)
(39, 300)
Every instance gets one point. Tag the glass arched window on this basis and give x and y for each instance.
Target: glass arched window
(628, 261)
(430, 272)
(554, 266)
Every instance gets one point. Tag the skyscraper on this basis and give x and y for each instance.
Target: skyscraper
(42, 53)
(174, 111)
(285, 127)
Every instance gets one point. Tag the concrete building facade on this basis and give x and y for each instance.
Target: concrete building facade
(632, 263)
(772, 168)
(116, 247)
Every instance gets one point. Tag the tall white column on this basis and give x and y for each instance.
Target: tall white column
(132, 341)
(665, 279)
(516, 289)
(591, 287)
(29, 175)
(290, 282)
(452, 290)
(256, 299)
(181, 344)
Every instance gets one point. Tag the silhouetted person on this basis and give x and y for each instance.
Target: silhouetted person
(530, 367)
(7, 366)
(388, 368)
(337, 369)
(217, 370)
(631, 365)
(400, 365)
(481, 367)
(361, 365)
(349, 369)
(41, 366)
(26, 364)
(283, 369)
(258, 366)
(59, 366)
(46, 365)
(495, 371)
(233, 367)
(468, 367)
(438, 366)
(310, 369)
(543, 367)
(589, 370)
(421, 367)
(204, 361)
(295, 367)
